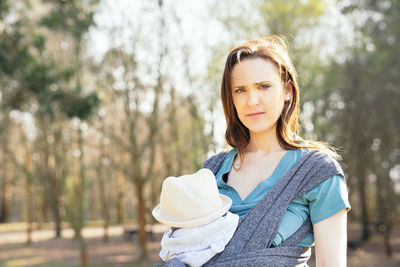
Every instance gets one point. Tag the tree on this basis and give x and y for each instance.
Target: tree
(74, 18)
(362, 101)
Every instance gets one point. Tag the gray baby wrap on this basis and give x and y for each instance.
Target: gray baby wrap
(251, 243)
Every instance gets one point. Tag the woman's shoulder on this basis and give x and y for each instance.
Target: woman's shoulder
(323, 155)
(317, 160)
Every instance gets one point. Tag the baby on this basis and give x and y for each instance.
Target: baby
(198, 215)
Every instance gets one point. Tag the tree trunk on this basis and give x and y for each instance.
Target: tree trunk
(54, 205)
(5, 187)
(101, 172)
(103, 200)
(29, 212)
(155, 193)
(359, 151)
(380, 198)
(51, 189)
(105, 229)
(362, 188)
(120, 198)
(40, 207)
(390, 213)
(81, 195)
(387, 238)
(83, 250)
(141, 219)
(4, 206)
(29, 200)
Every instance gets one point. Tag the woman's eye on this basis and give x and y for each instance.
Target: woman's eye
(264, 86)
(239, 90)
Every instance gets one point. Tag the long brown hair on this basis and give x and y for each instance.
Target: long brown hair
(273, 48)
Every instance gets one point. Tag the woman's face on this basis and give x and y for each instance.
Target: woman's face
(258, 94)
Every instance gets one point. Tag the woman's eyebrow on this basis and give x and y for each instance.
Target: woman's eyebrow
(264, 82)
(239, 87)
(257, 83)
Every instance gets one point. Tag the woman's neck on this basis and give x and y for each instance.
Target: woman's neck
(264, 142)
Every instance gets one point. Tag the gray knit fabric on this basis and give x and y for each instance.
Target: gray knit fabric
(251, 243)
(214, 162)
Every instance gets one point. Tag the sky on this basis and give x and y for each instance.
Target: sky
(197, 31)
(121, 22)
(201, 31)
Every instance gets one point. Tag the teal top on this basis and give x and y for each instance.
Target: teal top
(321, 202)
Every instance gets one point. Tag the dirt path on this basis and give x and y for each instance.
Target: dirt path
(47, 251)
(15, 237)
(372, 253)
(55, 251)
(119, 252)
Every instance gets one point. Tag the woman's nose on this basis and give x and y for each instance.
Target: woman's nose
(254, 98)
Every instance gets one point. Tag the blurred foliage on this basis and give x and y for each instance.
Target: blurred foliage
(287, 17)
(71, 16)
(4, 7)
(74, 105)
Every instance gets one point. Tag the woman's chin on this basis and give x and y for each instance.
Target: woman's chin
(260, 129)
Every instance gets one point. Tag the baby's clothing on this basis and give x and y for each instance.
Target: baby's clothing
(197, 245)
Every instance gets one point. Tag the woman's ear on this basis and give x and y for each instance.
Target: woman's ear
(288, 91)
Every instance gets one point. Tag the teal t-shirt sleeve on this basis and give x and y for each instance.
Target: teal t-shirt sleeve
(328, 198)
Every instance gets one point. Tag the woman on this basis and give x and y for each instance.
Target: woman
(289, 192)
(260, 96)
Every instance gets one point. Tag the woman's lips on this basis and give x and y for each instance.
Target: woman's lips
(255, 114)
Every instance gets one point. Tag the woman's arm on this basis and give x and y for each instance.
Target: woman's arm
(330, 237)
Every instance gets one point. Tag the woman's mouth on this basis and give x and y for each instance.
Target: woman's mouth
(255, 114)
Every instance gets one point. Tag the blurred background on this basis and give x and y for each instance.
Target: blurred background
(100, 100)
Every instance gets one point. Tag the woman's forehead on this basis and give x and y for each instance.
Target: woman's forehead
(254, 70)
